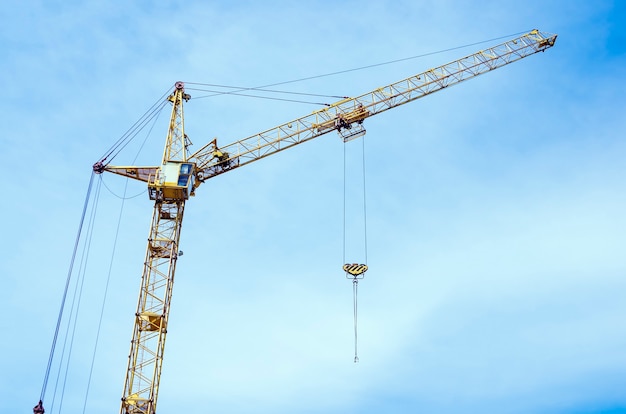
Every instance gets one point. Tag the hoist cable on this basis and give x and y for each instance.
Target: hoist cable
(67, 283)
(345, 208)
(364, 202)
(344, 203)
(355, 284)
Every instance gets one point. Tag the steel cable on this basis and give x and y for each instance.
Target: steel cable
(67, 284)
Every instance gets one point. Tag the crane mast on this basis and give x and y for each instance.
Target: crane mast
(172, 182)
(150, 329)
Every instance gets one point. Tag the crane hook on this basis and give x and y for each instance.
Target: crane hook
(355, 272)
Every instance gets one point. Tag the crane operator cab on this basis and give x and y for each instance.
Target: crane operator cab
(173, 181)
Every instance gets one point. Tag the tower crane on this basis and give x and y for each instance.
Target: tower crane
(180, 173)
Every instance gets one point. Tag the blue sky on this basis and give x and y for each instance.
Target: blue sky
(495, 209)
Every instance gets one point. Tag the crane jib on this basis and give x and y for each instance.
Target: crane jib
(347, 115)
